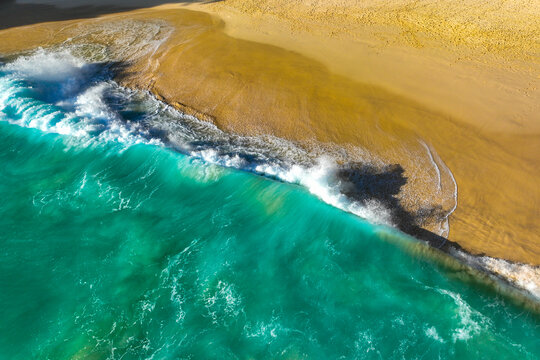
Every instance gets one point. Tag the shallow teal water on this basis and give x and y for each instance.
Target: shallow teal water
(134, 251)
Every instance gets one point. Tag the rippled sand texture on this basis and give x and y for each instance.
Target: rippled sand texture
(433, 90)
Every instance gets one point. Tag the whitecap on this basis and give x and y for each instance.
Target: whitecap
(432, 333)
(471, 321)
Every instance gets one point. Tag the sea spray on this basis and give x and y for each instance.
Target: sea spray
(89, 105)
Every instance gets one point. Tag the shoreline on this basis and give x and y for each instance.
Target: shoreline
(521, 283)
(518, 282)
(498, 153)
(497, 162)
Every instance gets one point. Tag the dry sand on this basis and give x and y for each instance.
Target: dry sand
(453, 82)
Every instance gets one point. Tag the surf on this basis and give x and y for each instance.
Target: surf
(133, 230)
(57, 92)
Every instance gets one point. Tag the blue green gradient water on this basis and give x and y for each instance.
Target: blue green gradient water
(115, 251)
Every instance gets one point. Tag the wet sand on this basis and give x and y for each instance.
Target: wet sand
(371, 84)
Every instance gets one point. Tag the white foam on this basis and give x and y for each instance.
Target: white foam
(320, 181)
(262, 330)
(58, 92)
(438, 165)
(435, 166)
(223, 299)
(522, 276)
(49, 66)
(471, 321)
(431, 332)
(123, 40)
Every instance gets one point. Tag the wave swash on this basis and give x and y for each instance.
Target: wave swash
(140, 241)
(54, 91)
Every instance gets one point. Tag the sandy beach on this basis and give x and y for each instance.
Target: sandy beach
(449, 91)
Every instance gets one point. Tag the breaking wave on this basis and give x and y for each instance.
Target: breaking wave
(55, 91)
(58, 92)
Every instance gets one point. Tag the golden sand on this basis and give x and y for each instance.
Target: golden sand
(426, 86)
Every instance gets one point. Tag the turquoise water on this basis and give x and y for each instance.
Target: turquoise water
(114, 246)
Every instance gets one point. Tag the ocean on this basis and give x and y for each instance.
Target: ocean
(132, 231)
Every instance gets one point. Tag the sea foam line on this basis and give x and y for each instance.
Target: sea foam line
(437, 163)
(58, 92)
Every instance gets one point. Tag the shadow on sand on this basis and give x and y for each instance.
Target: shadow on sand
(363, 183)
(27, 12)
